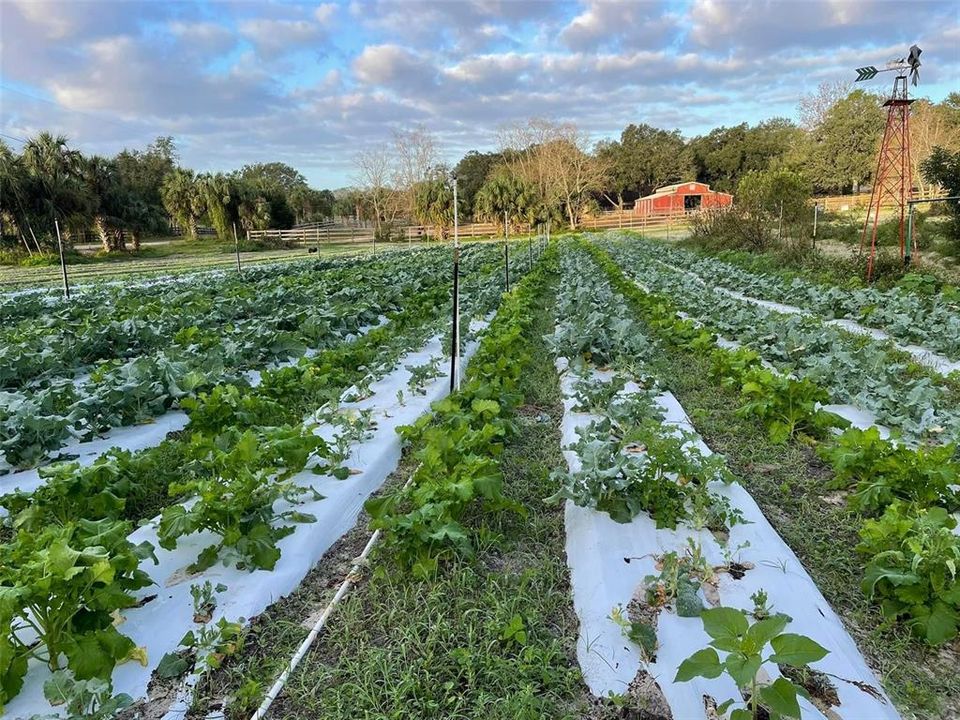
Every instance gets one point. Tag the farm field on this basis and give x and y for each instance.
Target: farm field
(666, 487)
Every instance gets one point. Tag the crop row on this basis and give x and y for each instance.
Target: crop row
(905, 494)
(69, 567)
(34, 423)
(928, 319)
(865, 373)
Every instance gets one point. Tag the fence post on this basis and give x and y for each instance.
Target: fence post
(506, 264)
(63, 262)
(816, 210)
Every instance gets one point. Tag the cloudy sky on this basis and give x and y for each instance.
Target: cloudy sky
(311, 83)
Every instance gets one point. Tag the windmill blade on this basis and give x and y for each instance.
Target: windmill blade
(914, 61)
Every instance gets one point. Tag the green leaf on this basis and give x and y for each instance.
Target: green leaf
(172, 665)
(703, 663)
(341, 473)
(781, 697)
(742, 668)
(95, 654)
(724, 623)
(762, 632)
(796, 650)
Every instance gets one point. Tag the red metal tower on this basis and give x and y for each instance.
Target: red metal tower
(892, 184)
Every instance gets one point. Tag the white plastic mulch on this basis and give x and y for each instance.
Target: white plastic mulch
(161, 623)
(608, 561)
(939, 363)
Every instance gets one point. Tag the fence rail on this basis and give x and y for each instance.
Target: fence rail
(843, 203)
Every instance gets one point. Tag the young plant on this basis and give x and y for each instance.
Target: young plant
(744, 646)
(912, 568)
(82, 699)
(245, 475)
(204, 600)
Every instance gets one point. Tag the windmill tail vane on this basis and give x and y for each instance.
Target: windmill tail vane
(911, 62)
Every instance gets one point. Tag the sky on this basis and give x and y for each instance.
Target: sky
(311, 84)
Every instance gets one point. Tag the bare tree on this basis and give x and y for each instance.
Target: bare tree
(373, 175)
(555, 160)
(416, 157)
(813, 107)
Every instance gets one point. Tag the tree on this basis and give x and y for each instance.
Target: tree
(183, 200)
(373, 175)
(141, 173)
(108, 198)
(222, 197)
(942, 168)
(932, 125)
(774, 198)
(57, 190)
(433, 204)
(724, 155)
(473, 171)
(813, 107)
(273, 175)
(843, 152)
(644, 159)
(507, 195)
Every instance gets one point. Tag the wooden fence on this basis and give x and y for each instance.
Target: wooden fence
(843, 203)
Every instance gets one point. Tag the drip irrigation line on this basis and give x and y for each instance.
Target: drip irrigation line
(307, 643)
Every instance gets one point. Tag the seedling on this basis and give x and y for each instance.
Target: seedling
(744, 645)
(204, 600)
(761, 606)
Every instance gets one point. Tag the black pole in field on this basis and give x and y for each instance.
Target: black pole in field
(506, 264)
(455, 335)
(63, 262)
(236, 245)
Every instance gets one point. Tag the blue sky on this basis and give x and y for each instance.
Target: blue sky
(311, 84)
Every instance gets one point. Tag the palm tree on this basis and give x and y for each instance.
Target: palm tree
(183, 199)
(13, 192)
(221, 195)
(56, 170)
(505, 195)
(103, 184)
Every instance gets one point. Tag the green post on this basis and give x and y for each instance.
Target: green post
(909, 247)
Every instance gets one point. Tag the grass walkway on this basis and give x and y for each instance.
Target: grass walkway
(492, 637)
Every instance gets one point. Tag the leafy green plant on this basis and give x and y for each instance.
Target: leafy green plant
(646, 470)
(245, 475)
(786, 406)
(205, 600)
(640, 633)
(882, 471)
(744, 645)
(913, 555)
(63, 586)
(82, 699)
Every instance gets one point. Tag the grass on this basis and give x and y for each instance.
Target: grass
(399, 648)
(788, 482)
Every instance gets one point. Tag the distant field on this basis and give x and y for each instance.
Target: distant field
(17, 277)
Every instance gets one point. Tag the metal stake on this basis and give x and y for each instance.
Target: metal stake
(506, 264)
(63, 262)
(236, 244)
(455, 340)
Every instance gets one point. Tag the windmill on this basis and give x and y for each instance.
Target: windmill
(892, 183)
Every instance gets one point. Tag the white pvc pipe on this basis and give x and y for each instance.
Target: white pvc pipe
(308, 641)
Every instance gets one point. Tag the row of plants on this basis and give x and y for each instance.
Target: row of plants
(98, 326)
(630, 463)
(37, 423)
(231, 475)
(460, 442)
(918, 313)
(906, 493)
(855, 370)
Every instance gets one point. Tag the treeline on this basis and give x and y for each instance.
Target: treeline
(549, 171)
(140, 192)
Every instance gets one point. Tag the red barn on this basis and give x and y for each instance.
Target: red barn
(682, 197)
